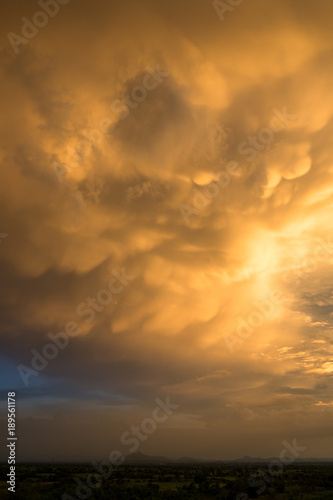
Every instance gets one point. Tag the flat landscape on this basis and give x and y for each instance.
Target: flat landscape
(166, 249)
(170, 481)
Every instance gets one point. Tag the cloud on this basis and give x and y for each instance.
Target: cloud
(118, 207)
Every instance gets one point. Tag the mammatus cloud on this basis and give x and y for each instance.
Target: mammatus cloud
(96, 165)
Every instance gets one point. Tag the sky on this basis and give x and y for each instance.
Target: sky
(165, 226)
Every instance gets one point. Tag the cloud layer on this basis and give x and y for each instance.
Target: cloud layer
(117, 205)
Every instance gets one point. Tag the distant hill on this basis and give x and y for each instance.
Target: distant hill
(139, 458)
(188, 460)
(257, 460)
